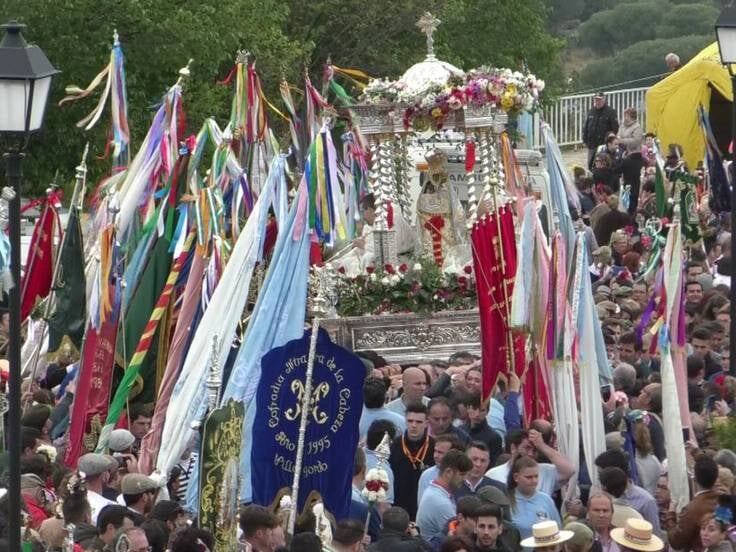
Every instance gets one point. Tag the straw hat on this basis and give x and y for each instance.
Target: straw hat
(637, 535)
(546, 533)
(622, 514)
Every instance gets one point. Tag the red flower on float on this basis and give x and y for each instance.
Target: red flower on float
(389, 268)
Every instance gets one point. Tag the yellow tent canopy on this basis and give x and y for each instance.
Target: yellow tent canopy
(672, 103)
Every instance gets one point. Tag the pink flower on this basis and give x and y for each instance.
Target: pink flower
(403, 268)
(341, 270)
(370, 269)
(389, 268)
(468, 269)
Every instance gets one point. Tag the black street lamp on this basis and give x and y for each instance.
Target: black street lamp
(25, 82)
(726, 34)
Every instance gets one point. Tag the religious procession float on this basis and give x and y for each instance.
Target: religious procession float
(402, 221)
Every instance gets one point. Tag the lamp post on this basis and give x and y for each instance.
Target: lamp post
(25, 82)
(726, 35)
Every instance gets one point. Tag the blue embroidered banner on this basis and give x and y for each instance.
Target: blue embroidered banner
(332, 430)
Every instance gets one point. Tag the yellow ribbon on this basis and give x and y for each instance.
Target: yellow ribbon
(273, 107)
(356, 76)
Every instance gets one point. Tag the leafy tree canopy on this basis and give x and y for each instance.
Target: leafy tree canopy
(382, 38)
(642, 59)
(622, 26)
(159, 36)
(687, 19)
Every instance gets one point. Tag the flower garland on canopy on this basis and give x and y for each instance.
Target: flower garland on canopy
(506, 90)
(418, 287)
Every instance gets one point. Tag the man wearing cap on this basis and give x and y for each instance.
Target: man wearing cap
(510, 535)
(96, 469)
(139, 495)
(601, 120)
(120, 441)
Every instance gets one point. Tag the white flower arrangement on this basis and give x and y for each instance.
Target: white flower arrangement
(432, 101)
(376, 485)
(48, 451)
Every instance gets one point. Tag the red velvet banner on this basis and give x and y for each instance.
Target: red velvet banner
(536, 396)
(92, 396)
(39, 265)
(494, 260)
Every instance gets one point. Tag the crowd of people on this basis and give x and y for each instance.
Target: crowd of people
(473, 478)
(464, 474)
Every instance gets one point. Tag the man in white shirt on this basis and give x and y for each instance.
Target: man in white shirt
(523, 443)
(96, 469)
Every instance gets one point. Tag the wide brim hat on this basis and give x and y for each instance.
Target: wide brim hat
(637, 535)
(622, 514)
(546, 533)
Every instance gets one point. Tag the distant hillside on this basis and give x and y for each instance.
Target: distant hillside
(613, 42)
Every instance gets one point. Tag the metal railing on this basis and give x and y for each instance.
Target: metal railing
(566, 117)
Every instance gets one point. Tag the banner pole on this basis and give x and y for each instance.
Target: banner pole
(303, 424)
(499, 251)
(76, 203)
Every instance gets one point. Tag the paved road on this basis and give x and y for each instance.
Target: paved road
(575, 157)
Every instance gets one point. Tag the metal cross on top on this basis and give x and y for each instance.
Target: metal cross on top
(428, 24)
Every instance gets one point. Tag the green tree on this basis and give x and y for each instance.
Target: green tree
(595, 33)
(594, 6)
(687, 19)
(382, 39)
(519, 38)
(378, 37)
(564, 10)
(158, 38)
(642, 59)
(626, 24)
